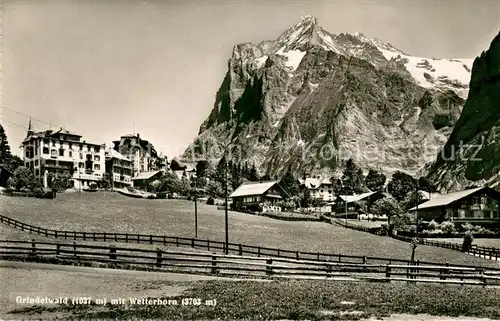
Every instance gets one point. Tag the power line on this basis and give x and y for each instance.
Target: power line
(28, 116)
(15, 124)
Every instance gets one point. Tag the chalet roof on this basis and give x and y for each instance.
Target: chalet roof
(427, 196)
(446, 199)
(145, 175)
(114, 154)
(314, 183)
(355, 198)
(253, 188)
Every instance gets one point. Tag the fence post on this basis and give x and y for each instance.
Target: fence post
(104, 236)
(74, 235)
(318, 256)
(158, 258)
(340, 257)
(116, 237)
(214, 264)
(33, 247)
(112, 252)
(39, 230)
(297, 255)
(328, 270)
(84, 236)
(150, 239)
(208, 245)
(93, 236)
(74, 248)
(55, 233)
(58, 249)
(126, 237)
(364, 260)
(177, 241)
(269, 267)
(164, 240)
(388, 272)
(65, 234)
(258, 251)
(240, 249)
(481, 273)
(138, 238)
(192, 243)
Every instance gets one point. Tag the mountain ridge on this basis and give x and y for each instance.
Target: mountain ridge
(263, 106)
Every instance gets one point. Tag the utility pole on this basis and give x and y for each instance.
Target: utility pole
(345, 201)
(225, 209)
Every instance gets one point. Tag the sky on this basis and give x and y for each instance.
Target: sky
(109, 68)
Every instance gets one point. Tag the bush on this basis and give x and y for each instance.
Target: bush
(447, 227)
(130, 189)
(468, 239)
(210, 201)
(93, 186)
(433, 225)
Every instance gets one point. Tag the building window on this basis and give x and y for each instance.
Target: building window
(53, 142)
(97, 167)
(45, 150)
(70, 146)
(97, 149)
(70, 154)
(37, 172)
(329, 191)
(97, 158)
(45, 141)
(36, 162)
(80, 165)
(61, 152)
(53, 153)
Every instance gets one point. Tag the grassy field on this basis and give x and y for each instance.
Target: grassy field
(110, 212)
(294, 300)
(477, 241)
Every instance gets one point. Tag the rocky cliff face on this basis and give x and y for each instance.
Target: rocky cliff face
(311, 99)
(472, 153)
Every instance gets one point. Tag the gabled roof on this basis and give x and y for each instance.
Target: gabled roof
(446, 199)
(111, 153)
(314, 183)
(253, 188)
(356, 198)
(145, 175)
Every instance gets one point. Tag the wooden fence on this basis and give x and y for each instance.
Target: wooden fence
(232, 265)
(491, 253)
(209, 245)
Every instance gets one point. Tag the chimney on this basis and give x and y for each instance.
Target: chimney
(138, 135)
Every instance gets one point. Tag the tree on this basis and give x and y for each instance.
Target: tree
(220, 171)
(185, 186)
(306, 199)
(375, 180)
(401, 184)
(290, 184)
(215, 189)
(337, 185)
(387, 206)
(426, 185)
(352, 179)
(412, 199)
(5, 154)
(23, 178)
(59, 182)
(176, 166)
(253, 175)
(201, 168)
(170, 183)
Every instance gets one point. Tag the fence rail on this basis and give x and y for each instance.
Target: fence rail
(491, 253)
(209, 245)
(230, 265)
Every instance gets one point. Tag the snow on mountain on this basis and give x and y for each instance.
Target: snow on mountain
(294, 43)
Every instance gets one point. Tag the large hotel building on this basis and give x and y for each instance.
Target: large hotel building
(62, 151)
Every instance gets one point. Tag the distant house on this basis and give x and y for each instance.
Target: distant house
(250, 194)
(476, 205)
(145, 180)
(353, 205)
(319, 188)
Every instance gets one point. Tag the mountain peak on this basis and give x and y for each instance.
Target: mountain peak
(308, 19)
